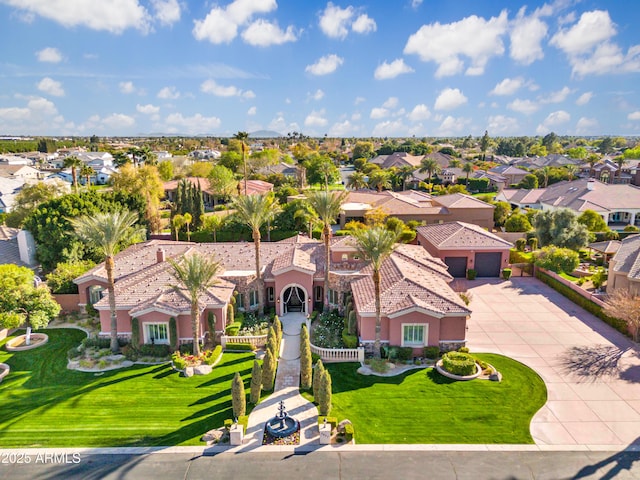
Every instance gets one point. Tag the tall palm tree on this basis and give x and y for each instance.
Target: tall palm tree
(307, 216)
(87, 172)
(545, 171)
(572, 170)
(195, 274)
(467, 168)
(242, 137)
(376, 244)
(430, 166)
(75, 163)
(454, 163)
(256, 211)
(592, 159)
(105, 232)
(327, 206)
(620, 162)
(379, 179)
(187, 221)
(357, 180)
(405, 173)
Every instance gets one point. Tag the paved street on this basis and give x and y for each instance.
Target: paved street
(592, 372)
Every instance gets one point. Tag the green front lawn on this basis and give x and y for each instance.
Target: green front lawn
(42, 404)
(421, 406)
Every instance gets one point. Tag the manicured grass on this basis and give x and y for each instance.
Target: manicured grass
(421, 406)
(42, 404)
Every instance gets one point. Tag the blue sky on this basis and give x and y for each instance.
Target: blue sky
(342, 68)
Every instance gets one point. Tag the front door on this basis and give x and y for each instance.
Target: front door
(294, 300)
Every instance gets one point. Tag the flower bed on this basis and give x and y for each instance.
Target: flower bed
(191, 363)
(327, 330)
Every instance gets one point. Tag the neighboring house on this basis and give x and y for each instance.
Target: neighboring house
(513, 175)
(206, 154)
(618, 204)
(17, 247)
(607, 171)
(397, 159)
(255, 187)
(24, 172)
(14, 160)
(282, 168)
(208, 196)
(463, 246)
(551, 160)
(416, 205)
(419, 307)
(496, 181)
(9, 188)
(624, 267)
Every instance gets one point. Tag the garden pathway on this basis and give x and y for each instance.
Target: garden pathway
(286, 388)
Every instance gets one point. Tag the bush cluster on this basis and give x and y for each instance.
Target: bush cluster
(459, 363)
(327, 332)
(431, 353)
(241, 347)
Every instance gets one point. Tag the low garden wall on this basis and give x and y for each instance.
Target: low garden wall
(68, 301)
(580, 291)
(257, 341)
(339, 354)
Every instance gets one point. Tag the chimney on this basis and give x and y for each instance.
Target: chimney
(160, 255)
(591, 183)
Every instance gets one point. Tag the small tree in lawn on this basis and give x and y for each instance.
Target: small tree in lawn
(238, 397)
(318, 370)
(625, 305)
(324, 394)
(256, 383)
(306, 367)
(268, 371)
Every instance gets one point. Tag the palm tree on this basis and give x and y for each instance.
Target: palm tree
(620, 162)
(357, 180)
(405, 173)
(195, 274)
(376, 244)
(87, 172)
(307, 216)
(242, 137)
(379, 179)
(430, 166)
(467, 168)
(327, 206)
(571, 170)
(592, 159)
(177, 222)
(454, 163)
(73, 162)
(187, 221)
(105, 232)
(256, 211)
(545, 171)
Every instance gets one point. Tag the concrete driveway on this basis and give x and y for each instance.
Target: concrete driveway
(592, 372)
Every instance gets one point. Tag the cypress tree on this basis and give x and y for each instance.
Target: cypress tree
(324, 394)
(317, 376)
(272, 343)
(198, 207)
(352, 322)
(135, 333)
(277, 326)
(173, 334)
(256, 382)
(268, 371)
(306, 368)
(238, 397)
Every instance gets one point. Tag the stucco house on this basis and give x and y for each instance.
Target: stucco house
(419, 307)
(624, 267)
(463, 246)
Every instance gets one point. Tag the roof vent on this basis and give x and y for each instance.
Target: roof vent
(591, 183)
(160, 255)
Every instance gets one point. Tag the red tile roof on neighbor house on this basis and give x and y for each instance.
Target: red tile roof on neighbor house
(455, 235)
(627, 258)
(253, 186)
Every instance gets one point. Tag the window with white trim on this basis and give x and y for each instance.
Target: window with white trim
(240, 302)
(253, 298)
(414, 334)
(270, 294)
(318, 294)
(333, 297)
(96, 292)
(157, 333)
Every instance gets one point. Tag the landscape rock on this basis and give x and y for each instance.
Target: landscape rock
(202, 370)
(495, 376)
(188, 372)
(214, 436)
(342, 424)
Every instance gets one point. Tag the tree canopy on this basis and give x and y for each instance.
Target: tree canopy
(560, 228)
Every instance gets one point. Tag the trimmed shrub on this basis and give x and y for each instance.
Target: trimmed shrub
(268, 371)
(404, 353)
(352, 322)
(228, 423)
(324, 394)
(506, 273)
(520, 244)
(348, 432)
(233, 329)
(431, 352)
(516, 256)
(533, 243)
(317, 375)
(306, 369)
(186, 348)
(350, 341)
(97, 342)
(211, 324)
(471, 274)
(129, 353)
(230, 313)
(459, 363)
(272, 343)
(557, 259)
(149, 350)
(256, 383)
(240, 347)
(333, 421)
(178, 362)
(238, 397)
(463, 349)
(173, 333)
(277, 326)
(135, 332)
(212, 356)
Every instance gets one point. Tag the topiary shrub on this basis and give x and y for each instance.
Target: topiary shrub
(211, 323)
(268, 371)
(459, 363)
(256, 383)
(350, 341)
(348, 432)
(352, 322)
(520, 244)
(317, 375)
(173, 334)
(232, 329)
(463, 349)
(230, 313)
(324, 394)
(240, 347)
(471, 274)
(135, 332)
(533, 243)
(272, 343)
(431, 352)
(212, 356)
(238, 397)
(306, 368)
(506, 273)
(277, 326)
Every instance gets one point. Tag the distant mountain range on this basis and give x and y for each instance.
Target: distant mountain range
(265, 134)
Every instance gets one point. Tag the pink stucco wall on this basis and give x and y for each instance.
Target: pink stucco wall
(83, 290)
(68, 301)
(124, 321)
(415, 317)
(292, 277)
(453, 328)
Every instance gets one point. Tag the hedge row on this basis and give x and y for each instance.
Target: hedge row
(583, 302)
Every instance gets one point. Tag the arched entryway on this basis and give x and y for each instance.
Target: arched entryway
(294, 299)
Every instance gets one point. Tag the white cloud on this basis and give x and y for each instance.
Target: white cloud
(114, 16)
(553, 120)
(343, 129)
(584, 98)
(389, 128)
(279, 124)
(416, 3)
(590, 50)
(315, 119)
(334, 21)
(51, 87)
(148, 109)
(472, 37)
(364, 24)
(526, 38)
(49, 55)
(359, 100)
(252, 111)
(127, 87)
(508, 86)
(378, 112)
(587, 126)
(526, 107)
(634, 115)
(449, 99)
(391, 102)
(167, 12)
(36, 117)
(391, 70)
(317, 95)
(117, 121)
(501, 124)
(169, 93)
(356, 116)
(210, 86)
(196, 124)
(452, 126)
(263, 33)
(325, 65)
(419, 112)
(556, 97)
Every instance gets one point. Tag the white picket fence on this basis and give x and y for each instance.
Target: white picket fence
(255, 340)
(339, 354)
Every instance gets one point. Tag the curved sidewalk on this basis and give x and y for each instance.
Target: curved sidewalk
(286, 388)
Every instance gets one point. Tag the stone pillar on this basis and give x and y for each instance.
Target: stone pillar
(236, 434)
(325, 433)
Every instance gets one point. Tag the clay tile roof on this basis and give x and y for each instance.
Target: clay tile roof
(459, 200)
(609, 246)
(294, 258)
(461, 235)
(627, 259)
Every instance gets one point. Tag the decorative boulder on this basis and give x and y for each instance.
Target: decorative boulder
(188, 372)
(202, 370)
(496, 376)
(214, 436)
(342, 424)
